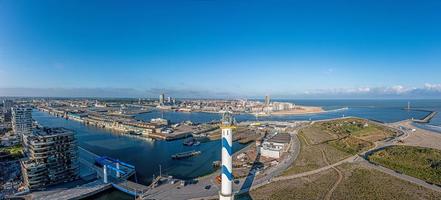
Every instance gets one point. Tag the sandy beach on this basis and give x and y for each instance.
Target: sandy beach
(299, 110)
(421, 137)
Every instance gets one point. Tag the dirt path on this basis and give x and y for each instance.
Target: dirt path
(340, 177)
(304, 138)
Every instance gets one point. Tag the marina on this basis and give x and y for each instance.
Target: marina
(228, 100)
(149, 154)
(145, 154)
(180, 100)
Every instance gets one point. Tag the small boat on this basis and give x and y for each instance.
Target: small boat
(196, 143)
(188, 142)
(216, 164)
(134, 133)
(186, 154)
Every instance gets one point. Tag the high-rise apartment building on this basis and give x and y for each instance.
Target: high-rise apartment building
(161, 99)
(6, 110)
(267, 100)
(22, 120)
(52, 157)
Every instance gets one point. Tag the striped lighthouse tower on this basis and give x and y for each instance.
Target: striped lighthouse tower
(227, 126)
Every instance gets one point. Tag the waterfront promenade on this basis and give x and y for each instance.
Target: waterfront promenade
(198, 190)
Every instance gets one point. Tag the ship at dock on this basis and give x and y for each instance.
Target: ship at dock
(191, 142)
(186, 154)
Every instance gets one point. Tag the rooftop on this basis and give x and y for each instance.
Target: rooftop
(280, 138)
(42, 132)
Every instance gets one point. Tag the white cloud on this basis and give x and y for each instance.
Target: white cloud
(433, 87)
(396, 91)
(364, 89)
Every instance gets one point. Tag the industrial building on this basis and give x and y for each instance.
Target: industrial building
(274, 146)
(52, 157)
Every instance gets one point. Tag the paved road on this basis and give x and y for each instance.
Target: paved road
(271, 175)
(316, 171)
(75, 192)
(280, 168)
(362, 158)
(198, 191)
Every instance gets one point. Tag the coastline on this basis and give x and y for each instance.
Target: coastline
(299, 110)
(421, 136)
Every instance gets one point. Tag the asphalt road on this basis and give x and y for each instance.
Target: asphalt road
(198, 191)
(271, 175)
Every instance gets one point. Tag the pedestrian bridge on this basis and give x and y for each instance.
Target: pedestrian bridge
(116, 173)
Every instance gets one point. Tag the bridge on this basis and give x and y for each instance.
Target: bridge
(116, 173)
(107, 172)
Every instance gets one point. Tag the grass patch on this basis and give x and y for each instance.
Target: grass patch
(420, 162)
(351, 145)
(359, 183)
(369, 184)
(339, 139)
(310, 187)
(311, 157)
(354, 135)
(15, 151)
(359, 128)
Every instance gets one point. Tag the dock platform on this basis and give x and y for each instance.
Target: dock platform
(131, 188)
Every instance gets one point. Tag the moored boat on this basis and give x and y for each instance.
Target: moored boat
(186, 154)
(188, 142)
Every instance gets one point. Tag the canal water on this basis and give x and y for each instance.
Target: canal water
(148, 155)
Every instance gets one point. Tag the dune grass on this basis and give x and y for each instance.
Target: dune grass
(420, 162)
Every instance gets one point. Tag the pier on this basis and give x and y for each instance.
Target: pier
(426, 119)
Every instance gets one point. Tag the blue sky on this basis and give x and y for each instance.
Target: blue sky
(221, 48)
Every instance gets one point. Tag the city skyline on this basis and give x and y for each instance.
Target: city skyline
(209, 99)
(221, 49)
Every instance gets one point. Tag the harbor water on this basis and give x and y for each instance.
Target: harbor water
(147, 155)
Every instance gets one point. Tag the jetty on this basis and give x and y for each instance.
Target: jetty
(426, 119)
